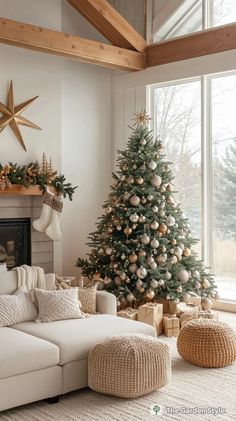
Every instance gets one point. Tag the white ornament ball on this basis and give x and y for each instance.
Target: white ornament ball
(123, 256)
(170, 187)
(139, 284)
(154, 243)
(152, 165)
(150, 197)
(170, 221)
(196, 274)
(130, 297)
(173, 260)
(179, 289)
(108, 209)
(134, 217)
(150, 260)
(168, 276)
(183, 276)
(123, 276)
(153, 265)
(161, 282)
(197, 285)
(133, 267)
(154, 283)
(119, 227)
(156, 180)
(141, 272)
(155, 209)
(143, 141)
(135, 200)
(145, 239)
(154, 225)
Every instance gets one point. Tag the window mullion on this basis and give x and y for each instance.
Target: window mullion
(206, 172)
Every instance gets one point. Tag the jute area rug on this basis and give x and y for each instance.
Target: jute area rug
(194, 393)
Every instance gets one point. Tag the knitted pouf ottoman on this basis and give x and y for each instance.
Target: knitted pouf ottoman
(129, 365)
(207, 343)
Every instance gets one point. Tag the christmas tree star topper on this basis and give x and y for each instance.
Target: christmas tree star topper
(12, 115)
(141, 118)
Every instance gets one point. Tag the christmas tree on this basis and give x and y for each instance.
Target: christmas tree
(142, 247)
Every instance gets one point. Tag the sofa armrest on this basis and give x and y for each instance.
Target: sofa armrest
(106, 303)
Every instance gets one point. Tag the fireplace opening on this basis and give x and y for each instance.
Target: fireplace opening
(15, 242)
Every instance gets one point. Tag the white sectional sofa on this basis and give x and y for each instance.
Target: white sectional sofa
(45, 360)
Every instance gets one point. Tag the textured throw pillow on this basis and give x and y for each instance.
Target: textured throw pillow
(16, 308)
(59, 304)
(87, 298)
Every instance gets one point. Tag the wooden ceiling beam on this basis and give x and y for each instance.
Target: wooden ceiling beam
(210, 41)
(110, 23)
(58, 43)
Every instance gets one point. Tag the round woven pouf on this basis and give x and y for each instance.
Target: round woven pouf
(207, 343)
(129, 365)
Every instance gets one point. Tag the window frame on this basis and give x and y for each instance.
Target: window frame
(206, 163)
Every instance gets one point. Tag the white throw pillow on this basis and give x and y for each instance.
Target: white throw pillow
(58, 305)
(16, 308)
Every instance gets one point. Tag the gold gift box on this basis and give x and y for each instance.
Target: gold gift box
(128, 313)
(171, 325)
(152, 314)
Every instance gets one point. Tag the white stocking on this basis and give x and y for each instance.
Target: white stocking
(45, 217)
(53, 230)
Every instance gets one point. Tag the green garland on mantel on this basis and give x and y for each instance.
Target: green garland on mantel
(33, 174)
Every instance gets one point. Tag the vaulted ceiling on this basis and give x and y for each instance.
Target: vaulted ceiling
(128, 49)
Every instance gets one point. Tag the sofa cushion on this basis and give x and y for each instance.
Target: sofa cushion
(22, 353)
(75, 338)
(16, 308)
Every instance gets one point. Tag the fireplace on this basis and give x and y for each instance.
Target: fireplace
(39, 251)
(15, 242)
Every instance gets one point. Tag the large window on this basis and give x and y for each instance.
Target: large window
(196, 121)
(182, 17)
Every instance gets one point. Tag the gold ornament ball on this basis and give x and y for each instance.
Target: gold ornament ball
(133, 258)
(187, 252)
(173, 242)
(130, 180)
(150, 294)
(127, 231)
(205, 283)
(142, 219)
(154, 283)
(163, 228)
(133, 267)
(135, 200)
(130, 297)
(142, 253)
(139, 180)
(206, 304)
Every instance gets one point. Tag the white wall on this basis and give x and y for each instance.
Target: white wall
(73, 109)
(86, 144)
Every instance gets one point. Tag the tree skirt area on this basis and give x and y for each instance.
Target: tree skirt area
(191, 387)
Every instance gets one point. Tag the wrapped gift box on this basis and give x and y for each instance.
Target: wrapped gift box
(195, 300)
(128, 313)
(208, 314)
(171, 325)
(152, 314)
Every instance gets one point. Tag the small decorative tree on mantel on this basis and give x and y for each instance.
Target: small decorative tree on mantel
(142, 247)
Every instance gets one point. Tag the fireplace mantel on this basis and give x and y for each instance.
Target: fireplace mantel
(18, 190)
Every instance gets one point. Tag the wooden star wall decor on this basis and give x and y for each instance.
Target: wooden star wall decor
(12, 115)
